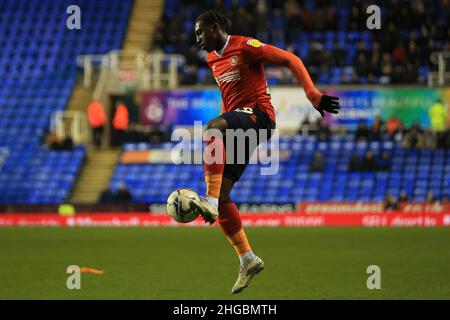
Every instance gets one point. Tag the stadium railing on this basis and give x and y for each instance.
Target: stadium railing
(136, 69)
(442, 76)
(73, 122)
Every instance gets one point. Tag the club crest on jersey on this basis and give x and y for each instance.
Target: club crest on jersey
(234, 60)
(254, 43)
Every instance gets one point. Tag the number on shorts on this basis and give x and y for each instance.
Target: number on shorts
(246, 110)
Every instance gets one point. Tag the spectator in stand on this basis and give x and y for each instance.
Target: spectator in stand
(356, 22)
(339, 55)
(57, 143)
(438, 115)
(430, 197)
(413, 54)
(306, 17)
(355, 79)
(390, 37)
(410, 74)
(384, 163)
(386, 68)
(390, 203)
(446, 139)
(403, 197)
(405, 41)
(368, 163)
(106, 196)
(175, 26)
(54, 142)
(362, 65)
(97, 120)
(67, 143)
(393, 126)
(317, 163)
(413, 137)
(318, 56)
(121, 121)
(277, 32)
(398, 74)
(362, 133)
(261, 21)
(323, 132)
(158, 45)
(362, 49)
(399, 53)
(192, 64)
(428, 139)
(331, 19)
(318, 18)
(374, 65)
(371, 79)
(123, 195)
(400, 133)
(354, 164)
(376, 129)
(242, 22)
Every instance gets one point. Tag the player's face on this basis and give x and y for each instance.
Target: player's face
(205, 36)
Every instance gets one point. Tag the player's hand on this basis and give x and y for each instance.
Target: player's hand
(329, 104)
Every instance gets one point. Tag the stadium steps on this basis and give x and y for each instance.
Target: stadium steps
(143, 21)
(80, 98)
(95, 175)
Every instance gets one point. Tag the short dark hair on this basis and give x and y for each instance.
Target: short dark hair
(212, 16)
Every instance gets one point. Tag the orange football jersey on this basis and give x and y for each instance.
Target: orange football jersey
(239, 72)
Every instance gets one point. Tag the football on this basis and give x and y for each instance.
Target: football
(179, 205)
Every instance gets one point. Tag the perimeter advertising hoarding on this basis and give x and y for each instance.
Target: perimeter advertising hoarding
(183, 107)
(179, 107)
(393, 219)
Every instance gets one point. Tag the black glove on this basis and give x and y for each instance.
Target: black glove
(328, 104)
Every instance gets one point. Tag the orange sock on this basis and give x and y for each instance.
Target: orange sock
(240, 242)
(213, 167)
(213, 184)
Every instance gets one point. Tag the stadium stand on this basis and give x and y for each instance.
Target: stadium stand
(332, 39)
(38, 74)
(330, 36)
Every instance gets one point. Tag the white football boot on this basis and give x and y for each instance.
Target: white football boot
(207, 209)
(246, 273)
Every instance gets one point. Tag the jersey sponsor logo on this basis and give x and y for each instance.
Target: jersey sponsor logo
(228, 77)
(234, 60)
(254, 43)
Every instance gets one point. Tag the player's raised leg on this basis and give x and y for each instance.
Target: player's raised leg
(230, 222)
(214, 163)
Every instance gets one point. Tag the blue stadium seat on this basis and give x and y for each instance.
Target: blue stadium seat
(38, 60)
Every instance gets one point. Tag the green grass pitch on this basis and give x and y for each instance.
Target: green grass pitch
(198, 263)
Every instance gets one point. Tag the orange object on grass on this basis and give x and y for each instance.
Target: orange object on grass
(91, 270)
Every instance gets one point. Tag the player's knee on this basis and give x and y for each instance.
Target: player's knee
(217, 124)
(224, 196)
